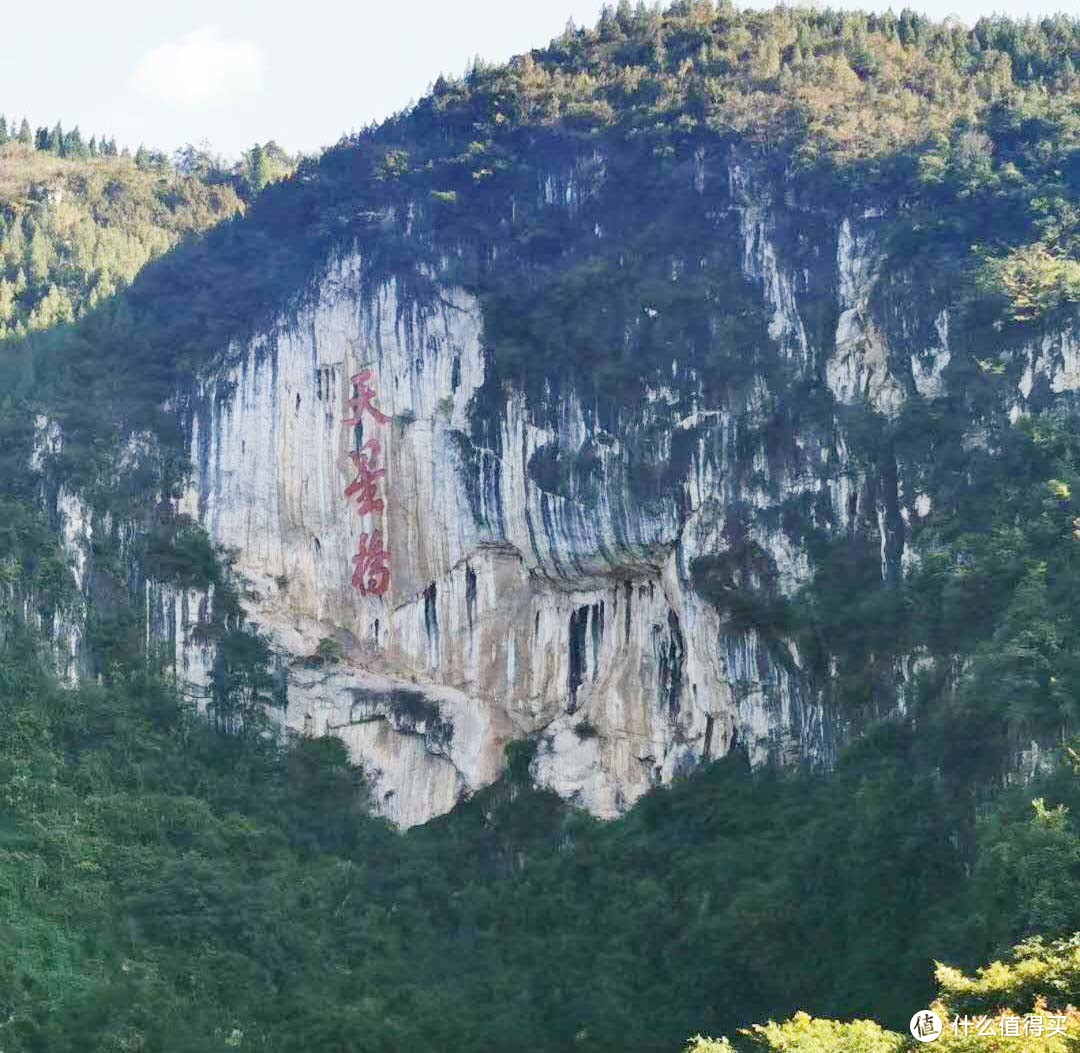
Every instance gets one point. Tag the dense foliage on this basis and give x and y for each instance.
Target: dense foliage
(79, 219)
(968, 135)
(1026, 1003)
(75, 229)
(169, 885)
(976, 131)
(166, 887)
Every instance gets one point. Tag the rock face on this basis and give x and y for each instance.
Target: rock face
(519, 606)
(558, 571)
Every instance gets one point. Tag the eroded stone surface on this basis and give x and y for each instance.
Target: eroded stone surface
(574, 609)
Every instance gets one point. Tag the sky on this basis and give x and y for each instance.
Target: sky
(301, 72)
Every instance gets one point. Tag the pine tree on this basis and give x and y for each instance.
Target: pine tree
(26, 137)
(39, 257)
(92, 146)
(13, 247)
(3, 129)
(73, 144)
(258, 168)
(56, 140)
(41, 139)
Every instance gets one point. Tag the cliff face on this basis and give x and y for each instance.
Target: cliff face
(511, 610)
(591, 574)
(540, 583)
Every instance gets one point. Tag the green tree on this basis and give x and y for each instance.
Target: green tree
(805, 1034)
(1039, 977)
(73, 144)
(1028, 873)
(263, 164)
(40, 256)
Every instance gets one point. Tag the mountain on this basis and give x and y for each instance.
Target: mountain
(695, 394)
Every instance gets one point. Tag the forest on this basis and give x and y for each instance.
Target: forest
(78, 220)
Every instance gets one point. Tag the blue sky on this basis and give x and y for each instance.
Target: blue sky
(235, 71)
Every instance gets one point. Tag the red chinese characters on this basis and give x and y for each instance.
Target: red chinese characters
(366, 485)
(371, 570)
(363, 400)
(371, 574)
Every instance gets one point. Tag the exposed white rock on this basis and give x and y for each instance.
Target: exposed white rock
(513, 610)
(519, 605)
(66, 628)
(542, 581)
(76, 535)
(172, 617)
(927, 368)
(759, 263)
(48, 441)
(858, 369)
(570, 187)
(1055, 357)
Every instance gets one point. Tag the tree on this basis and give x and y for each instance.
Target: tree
(1028, 875)
(329, 793)
(243, 684)
(26, 137)
(73, 144)
(805, 1034)
(40, 256)
(1039, 978)
(256, 169)
(1033, 279)
(3, 130)
(263, 164)
(151, 160)
(196, 161)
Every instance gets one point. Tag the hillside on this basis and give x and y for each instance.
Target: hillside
(587, 562)
(77, 229)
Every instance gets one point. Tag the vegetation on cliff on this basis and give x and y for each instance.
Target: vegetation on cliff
(168, 887)
(1026, 1003)
(968, 136)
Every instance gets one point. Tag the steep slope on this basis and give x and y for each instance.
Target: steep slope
(648, 359)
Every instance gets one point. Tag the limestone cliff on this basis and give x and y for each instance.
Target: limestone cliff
(541, 585)
(602, 575)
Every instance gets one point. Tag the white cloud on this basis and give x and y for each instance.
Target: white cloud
(199, 68)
